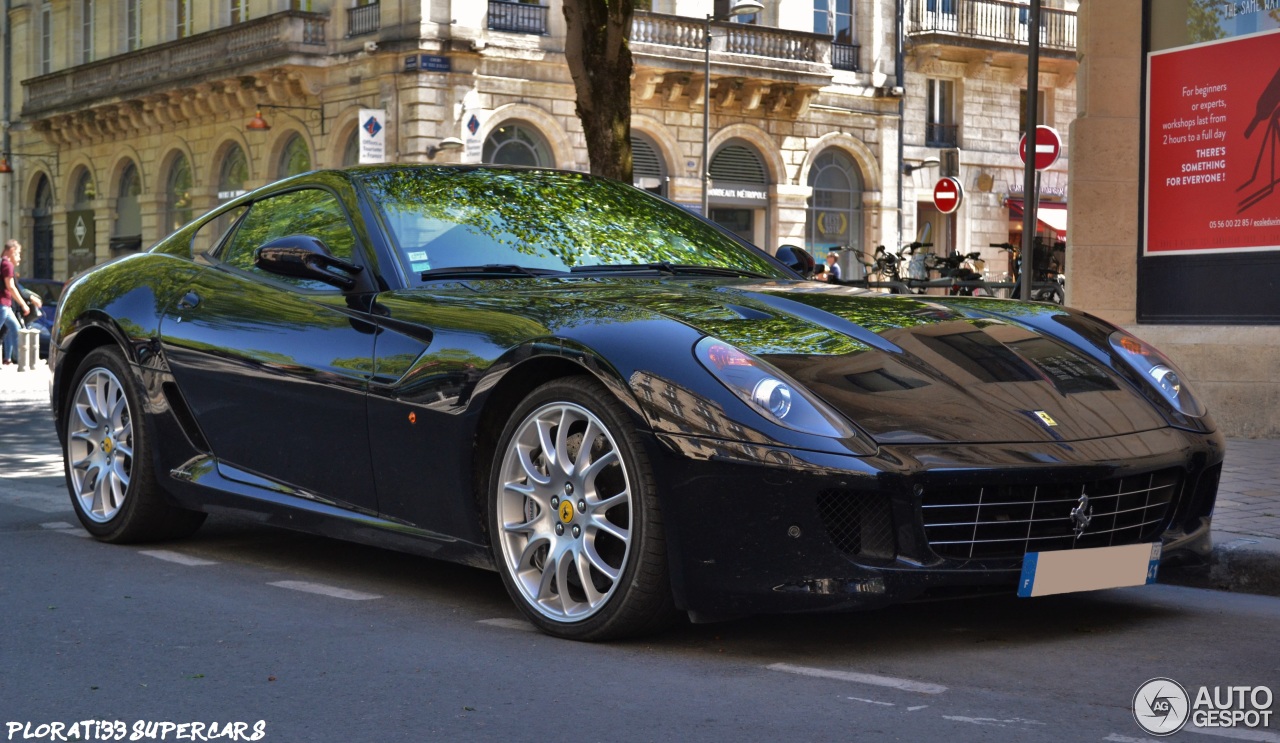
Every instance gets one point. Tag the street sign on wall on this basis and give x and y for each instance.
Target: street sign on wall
(947, 195)
(1048, 147)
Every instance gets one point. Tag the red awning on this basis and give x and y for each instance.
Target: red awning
(1051, 214)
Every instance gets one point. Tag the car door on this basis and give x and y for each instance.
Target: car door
(276, 369)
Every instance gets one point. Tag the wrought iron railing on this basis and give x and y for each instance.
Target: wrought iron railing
(520, 18)
(941, 135)
(257, 41)
(733, 38)
(364, 19)
(845, 56)
(993, 20)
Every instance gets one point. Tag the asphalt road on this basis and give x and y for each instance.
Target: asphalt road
(327, 641)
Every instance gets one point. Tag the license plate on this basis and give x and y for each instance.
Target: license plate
(1067, 571)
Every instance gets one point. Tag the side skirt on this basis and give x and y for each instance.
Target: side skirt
(205, 484)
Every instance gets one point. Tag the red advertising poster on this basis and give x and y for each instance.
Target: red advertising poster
(1213, 147)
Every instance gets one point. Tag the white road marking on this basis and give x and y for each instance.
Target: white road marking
(73, 532)
(323, 590)
(1235, 733)
(177, 557)
(993, 721)
(860, 678)
(44, 500)
(57, 525)
(506, 623)
(872, 701)
(916, 708)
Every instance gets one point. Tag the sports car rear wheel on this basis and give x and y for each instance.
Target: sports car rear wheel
(107, 457)
(575, 524)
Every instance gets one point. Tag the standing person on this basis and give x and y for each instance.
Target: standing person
(11, 298)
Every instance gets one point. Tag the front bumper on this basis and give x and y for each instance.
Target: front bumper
(758, 529)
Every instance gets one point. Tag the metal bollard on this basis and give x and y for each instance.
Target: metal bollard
(28, 349)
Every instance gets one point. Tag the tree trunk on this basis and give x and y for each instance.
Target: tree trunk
(598, 49)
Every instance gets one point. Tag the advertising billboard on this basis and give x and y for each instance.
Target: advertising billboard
(1213, 147)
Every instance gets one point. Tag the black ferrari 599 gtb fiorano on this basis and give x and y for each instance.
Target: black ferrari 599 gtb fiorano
(620, 407)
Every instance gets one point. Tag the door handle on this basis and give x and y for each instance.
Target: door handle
(188, 301)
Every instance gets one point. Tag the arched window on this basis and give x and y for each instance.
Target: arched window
(515, 143)
(648, 171)
(177, 196)
(84, 192)
(739, 190)
(295, 158)
(738, 162)
(351, 150)
(232, 174)
(128, 211)
(42, 232)
(835, 208)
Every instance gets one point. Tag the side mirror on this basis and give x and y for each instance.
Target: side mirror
(797, 259)
(305, 257)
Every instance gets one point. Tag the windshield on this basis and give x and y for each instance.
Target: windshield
(447, 217)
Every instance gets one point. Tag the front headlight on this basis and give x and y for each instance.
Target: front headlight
(768, 391)
(1158, 371)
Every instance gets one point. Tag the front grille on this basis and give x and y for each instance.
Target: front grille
(997, 521)
(858, 524)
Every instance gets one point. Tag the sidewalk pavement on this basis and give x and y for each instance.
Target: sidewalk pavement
(1246, 522)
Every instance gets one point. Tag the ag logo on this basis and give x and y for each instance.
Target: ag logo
(1161, 706)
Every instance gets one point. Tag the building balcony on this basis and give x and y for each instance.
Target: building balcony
(845, 56)
(364, 19)
(990, 24)
(676, 42)
(941, 135)
(288, 37)
(519, 18)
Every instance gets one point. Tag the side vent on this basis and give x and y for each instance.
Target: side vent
(184, 417)
(859, 524)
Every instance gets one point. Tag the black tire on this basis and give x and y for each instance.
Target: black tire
(139, 510)
(639, 600)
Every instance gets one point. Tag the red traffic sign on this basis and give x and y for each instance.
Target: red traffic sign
(1048, 147)
(947, 195)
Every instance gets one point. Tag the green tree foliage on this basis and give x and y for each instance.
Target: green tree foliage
(1204, 19)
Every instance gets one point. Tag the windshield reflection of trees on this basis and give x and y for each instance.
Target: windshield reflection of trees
(464, 217)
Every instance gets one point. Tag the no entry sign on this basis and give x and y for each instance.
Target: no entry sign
(1048, 147)
(947, 194)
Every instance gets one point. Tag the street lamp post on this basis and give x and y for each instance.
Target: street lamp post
(745, 7)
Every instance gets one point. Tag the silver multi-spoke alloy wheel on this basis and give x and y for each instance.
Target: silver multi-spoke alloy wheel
(100, 445)
(564, 511)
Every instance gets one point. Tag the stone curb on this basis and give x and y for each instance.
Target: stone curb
(1241, 563)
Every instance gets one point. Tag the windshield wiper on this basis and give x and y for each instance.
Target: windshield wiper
(487, 271)
(672, 269)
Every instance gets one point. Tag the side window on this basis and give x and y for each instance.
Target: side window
(307, 212)
(211, 233)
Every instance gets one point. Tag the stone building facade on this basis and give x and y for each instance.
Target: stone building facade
(129, 117)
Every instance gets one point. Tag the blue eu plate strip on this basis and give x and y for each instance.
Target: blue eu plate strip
(1028, 579)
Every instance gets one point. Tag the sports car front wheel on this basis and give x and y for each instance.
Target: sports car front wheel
(107, 454)
(575, 525)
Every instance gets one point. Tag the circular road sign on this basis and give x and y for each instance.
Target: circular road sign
(947, 195)
(1048, 147)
